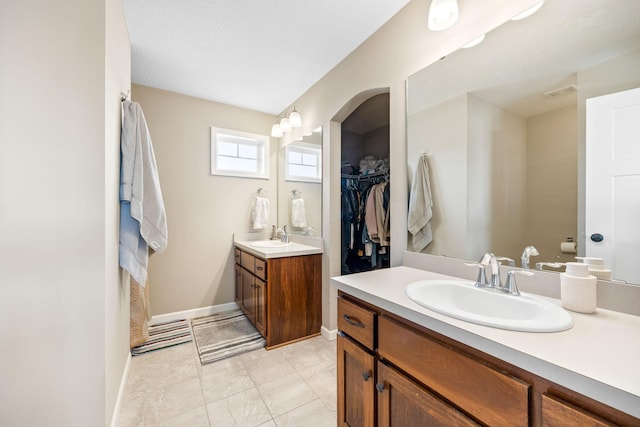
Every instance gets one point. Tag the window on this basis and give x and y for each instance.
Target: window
(303, 162)
(236, 153)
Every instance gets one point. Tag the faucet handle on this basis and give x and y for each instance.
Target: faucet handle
(509, 261)
(482, 275)
(510, 287)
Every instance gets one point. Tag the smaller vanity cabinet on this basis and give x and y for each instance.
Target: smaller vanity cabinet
(392, 372)
(282, 297)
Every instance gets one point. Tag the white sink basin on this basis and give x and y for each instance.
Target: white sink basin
(269, 244)
(462, 300)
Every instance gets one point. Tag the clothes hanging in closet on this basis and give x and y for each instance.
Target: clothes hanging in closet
(365, 223)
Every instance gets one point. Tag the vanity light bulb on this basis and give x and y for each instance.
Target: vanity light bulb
(442, 14)
(276, 132)
(294, 119)
(285, 125)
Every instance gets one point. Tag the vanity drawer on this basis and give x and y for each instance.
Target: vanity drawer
(357, 322)
(490, 396)
(248, 261)
(236, 255)
(261, 268)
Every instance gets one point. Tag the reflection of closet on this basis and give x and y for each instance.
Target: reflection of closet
(365, 192)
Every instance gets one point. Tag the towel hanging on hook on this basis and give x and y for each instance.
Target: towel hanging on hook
(265, 193)
(296, 194)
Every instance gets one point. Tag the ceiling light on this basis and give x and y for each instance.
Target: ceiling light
(276, 132)
(442, 14)
(294, 119)
(474, 42)
(533, 9)
(285, 125)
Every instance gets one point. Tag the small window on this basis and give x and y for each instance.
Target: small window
(235, 153)
(303, 162)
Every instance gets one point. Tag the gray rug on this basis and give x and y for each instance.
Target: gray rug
(224, 335)
(163, 335)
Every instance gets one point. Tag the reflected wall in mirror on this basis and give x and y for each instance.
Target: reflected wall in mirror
(300, 185)
(503, 124)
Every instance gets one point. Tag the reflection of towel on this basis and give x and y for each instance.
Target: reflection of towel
(143, 221)
(420, 204)
(298, 215)
(261, 214)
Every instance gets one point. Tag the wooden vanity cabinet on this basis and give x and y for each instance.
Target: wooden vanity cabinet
(282, 297)
(424, 378)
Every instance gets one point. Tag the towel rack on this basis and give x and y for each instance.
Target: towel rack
(124, 96)
(296, 194)
(260, 189)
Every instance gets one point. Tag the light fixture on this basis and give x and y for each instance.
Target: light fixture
(294, 119)
(442, 14)
(527, 13)
(285, 125)
(276, 132)
(474, 42)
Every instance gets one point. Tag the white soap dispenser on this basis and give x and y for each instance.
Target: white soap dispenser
(578, 288)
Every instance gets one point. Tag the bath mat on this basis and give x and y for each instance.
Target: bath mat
(224, 335)
(163, 335)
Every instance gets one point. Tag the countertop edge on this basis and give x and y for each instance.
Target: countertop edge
(296, 249)
(597, 390)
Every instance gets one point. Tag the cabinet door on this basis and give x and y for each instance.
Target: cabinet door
(356, 384)
(261, 306)
(558, 413)
(403, 403)
(248, 295)
(238, 284)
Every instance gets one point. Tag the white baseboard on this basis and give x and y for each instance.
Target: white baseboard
(121, 392)
(329, 334)
(196, 312)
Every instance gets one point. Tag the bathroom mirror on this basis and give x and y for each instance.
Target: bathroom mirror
(300, 184)
(503, 126)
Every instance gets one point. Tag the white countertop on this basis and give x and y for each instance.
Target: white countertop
(599, 357)
(293, 249)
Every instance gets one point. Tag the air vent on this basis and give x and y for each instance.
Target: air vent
(561, 92)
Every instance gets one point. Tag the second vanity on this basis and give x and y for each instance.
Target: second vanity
(397, 359)
(279, 288)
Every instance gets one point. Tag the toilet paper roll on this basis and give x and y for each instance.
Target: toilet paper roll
(568, 247)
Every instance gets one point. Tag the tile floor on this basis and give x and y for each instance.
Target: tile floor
(294, 385)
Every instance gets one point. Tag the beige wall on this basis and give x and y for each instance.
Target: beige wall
(203, 211)
(552, 182)
(63, 309)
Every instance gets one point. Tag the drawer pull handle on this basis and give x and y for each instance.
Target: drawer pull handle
(366, 375)
(380, 387)
(354, 322)
(259, 268)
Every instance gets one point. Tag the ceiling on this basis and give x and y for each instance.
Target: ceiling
(259, 55)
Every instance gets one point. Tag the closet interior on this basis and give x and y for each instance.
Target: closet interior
(365, 190)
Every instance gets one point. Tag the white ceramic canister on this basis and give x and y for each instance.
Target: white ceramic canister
(578, 288)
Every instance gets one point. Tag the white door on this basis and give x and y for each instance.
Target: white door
(612, 196)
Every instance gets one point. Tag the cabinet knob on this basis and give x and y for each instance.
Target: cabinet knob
(380, 387)
(366, 375)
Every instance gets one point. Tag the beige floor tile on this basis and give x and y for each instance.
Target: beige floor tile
(269, 423)
(286, 393)
(230, 363)
(241, 409)
(225, 382)
(312, 414)
(266, 366)
(322, 380)
(132, 410)
(194, 418)
(172, 400)
(307, 353)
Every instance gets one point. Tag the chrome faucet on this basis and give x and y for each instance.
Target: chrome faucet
(529, 251)
(284, 238)
(495, 283)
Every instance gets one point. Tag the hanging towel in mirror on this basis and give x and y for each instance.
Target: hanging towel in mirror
(261, 213)
(420, 206)
(298, 214)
